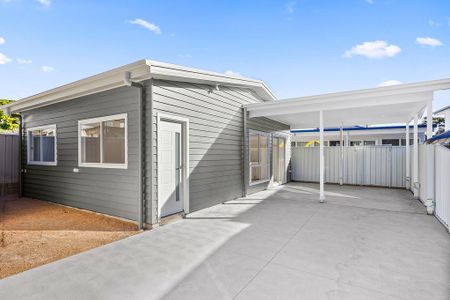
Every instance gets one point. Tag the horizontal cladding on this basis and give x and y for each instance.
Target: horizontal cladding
(215, 137)
(110, 191)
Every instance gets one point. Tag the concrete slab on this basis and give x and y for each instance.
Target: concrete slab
(363, 243)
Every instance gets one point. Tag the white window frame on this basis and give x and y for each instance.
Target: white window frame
(41, 163)
(269, 145)
(101, 120)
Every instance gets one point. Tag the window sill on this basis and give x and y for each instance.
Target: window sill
(259, 182)
(40, 163)
(103, 166)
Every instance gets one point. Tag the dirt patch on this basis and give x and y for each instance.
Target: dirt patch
(34, 232)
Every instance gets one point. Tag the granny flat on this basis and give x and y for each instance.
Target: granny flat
(148, 140)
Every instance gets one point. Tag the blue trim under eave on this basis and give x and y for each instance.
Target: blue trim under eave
(360, 128)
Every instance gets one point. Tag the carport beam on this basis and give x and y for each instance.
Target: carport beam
(408, 159)
(322, 159)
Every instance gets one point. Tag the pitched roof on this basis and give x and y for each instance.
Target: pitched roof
(140, 70)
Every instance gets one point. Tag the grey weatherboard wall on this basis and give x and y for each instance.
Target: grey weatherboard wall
(215, 143)
(215, 137)
(109, 191)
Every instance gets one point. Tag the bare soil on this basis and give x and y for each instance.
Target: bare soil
(35, 232)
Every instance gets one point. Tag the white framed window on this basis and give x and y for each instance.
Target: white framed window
(41, 145)
(103, 142)
(259, 157)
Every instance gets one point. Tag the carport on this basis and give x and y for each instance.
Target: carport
(404, 103)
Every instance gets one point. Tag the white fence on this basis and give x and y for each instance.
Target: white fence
(9, 164)
(442, 184)
(362, 165)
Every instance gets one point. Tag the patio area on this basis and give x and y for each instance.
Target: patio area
(362, 243)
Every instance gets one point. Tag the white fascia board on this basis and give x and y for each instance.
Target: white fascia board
(279, 108)
(87, 86)
(374, 93)
(165, 71)
(140, 70)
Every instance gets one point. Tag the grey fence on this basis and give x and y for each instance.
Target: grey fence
(9, 164)
(361, 165)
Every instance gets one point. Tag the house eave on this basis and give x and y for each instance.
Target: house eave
(140, 70)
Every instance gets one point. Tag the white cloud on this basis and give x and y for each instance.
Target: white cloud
(427, 41)
(370, 1)
(24, 61)
(375, 49)
(45, 3)
(2, 40)
(150, 26)
(390, 83)
(433, 23)
(47, 69)
(4, 59)
(232, 73)
(290, 6)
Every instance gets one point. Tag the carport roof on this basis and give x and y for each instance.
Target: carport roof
(382, 105)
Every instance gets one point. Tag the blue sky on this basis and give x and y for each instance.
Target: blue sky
(298, 48)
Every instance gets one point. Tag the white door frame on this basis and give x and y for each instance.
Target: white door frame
(285, 137)
(185, 159)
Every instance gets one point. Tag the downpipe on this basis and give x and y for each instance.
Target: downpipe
(141, 144)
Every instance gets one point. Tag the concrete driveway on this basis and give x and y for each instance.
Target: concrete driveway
(363, 243)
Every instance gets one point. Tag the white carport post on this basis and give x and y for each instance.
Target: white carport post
(416, 160)
(430, 159)
(341, 169)
(322, 159)
(408, 158)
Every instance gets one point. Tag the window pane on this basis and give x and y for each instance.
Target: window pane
(254, 148)
(48, 145)
(393, 142)
(256, 173)
(369, 142)
(264, 172)
(114, 141)
(90, 143)
(35, 145)
(264, 149)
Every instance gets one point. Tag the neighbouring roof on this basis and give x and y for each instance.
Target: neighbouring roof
(140, 70)
(359, 128)
(442, 110)
(441, 137)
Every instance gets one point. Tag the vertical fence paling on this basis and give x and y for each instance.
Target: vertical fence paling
(9, 164)
(442, 184)
(364, 165)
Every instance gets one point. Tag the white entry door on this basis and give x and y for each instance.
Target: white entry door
(170, 168)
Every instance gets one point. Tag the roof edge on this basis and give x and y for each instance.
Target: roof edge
(140, 70)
